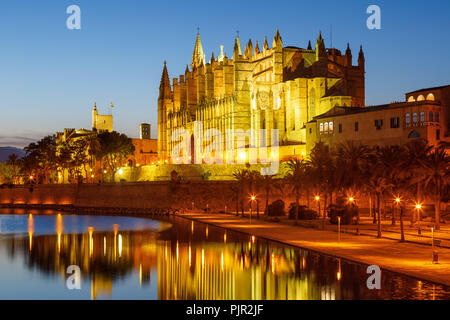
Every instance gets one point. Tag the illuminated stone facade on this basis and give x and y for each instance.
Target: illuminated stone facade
(424, 115)
(269, 88)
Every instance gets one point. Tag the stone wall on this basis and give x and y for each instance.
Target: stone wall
(212, 194)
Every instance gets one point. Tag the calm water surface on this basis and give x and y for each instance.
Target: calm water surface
(137, 258)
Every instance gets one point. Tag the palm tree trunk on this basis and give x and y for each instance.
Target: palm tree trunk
(402, 231)
(379, 216)
(237, 203)
(296, 204)
(325, 210)
(266, 211)
(437, 206)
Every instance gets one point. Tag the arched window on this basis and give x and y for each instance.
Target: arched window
(430, 116)
(407, 119)
(430, 97)
(321, 128)
(422, 116)
(420, 98)
(330, 126)
(411, 99)
(414, 135)
(326, 127)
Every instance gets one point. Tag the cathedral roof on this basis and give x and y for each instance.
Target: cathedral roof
(198, 57)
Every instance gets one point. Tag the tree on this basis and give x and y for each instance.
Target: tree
(351, 157)
(13, 161)
(242, 181)
(295, 177)
(436, 170)
(323, 172)
(42, 158)
(114, 150)
(267, 183)
(415, 153)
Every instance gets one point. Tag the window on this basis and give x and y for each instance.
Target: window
(340, 127)
(438, 134)
(378, 124)
(414, 117)
(330, 127)
(436, 116)
(356, 126)
(321, 128)
(407, 119)
(420, 98)
(411, 99)
(430, 116)
(310, 131)
(422, 116)
(430, 97)
(414, 135)
(325, 128)
(395, 122)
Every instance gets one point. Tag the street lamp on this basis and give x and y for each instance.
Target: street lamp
(418, 208)
(317, 198)
(252, 199)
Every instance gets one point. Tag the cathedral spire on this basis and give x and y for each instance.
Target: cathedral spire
(198, 57)
(320, 47)
(164, 87)
(237, 51)
(309, 45)
(348, 54)
(256, 48)
(361, 59)
(266, 45)
(277, 40)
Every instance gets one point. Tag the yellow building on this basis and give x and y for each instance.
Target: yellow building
(278, 88)
(422, 115)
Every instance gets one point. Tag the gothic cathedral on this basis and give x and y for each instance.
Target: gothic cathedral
(269, 88)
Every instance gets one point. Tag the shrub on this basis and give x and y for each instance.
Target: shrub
(347, 212)
(303, 212)
(276, 209)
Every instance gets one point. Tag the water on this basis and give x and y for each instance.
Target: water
(137, 258)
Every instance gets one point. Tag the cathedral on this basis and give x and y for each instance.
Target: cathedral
(262, 87)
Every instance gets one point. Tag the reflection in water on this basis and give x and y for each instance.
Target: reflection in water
(196, 261)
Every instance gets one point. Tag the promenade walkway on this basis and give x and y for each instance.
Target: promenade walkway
(413, 258)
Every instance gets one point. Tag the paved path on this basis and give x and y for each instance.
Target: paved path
(413, 259)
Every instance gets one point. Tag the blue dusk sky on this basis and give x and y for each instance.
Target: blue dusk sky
(51, 76)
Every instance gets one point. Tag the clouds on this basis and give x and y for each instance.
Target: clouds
(19, 141)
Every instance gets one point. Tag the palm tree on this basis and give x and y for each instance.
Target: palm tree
(267, 183)
(322, 172)
(351, 157)
(415, 153)
(436, 170)
(295, 177)
(13, 161)
(242, 181)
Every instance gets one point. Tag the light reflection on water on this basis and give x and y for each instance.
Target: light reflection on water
(135, 258)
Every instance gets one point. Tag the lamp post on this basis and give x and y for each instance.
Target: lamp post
(418, 207)
(339, 229)
(252, 199)
(317, 198)
(435, 253)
